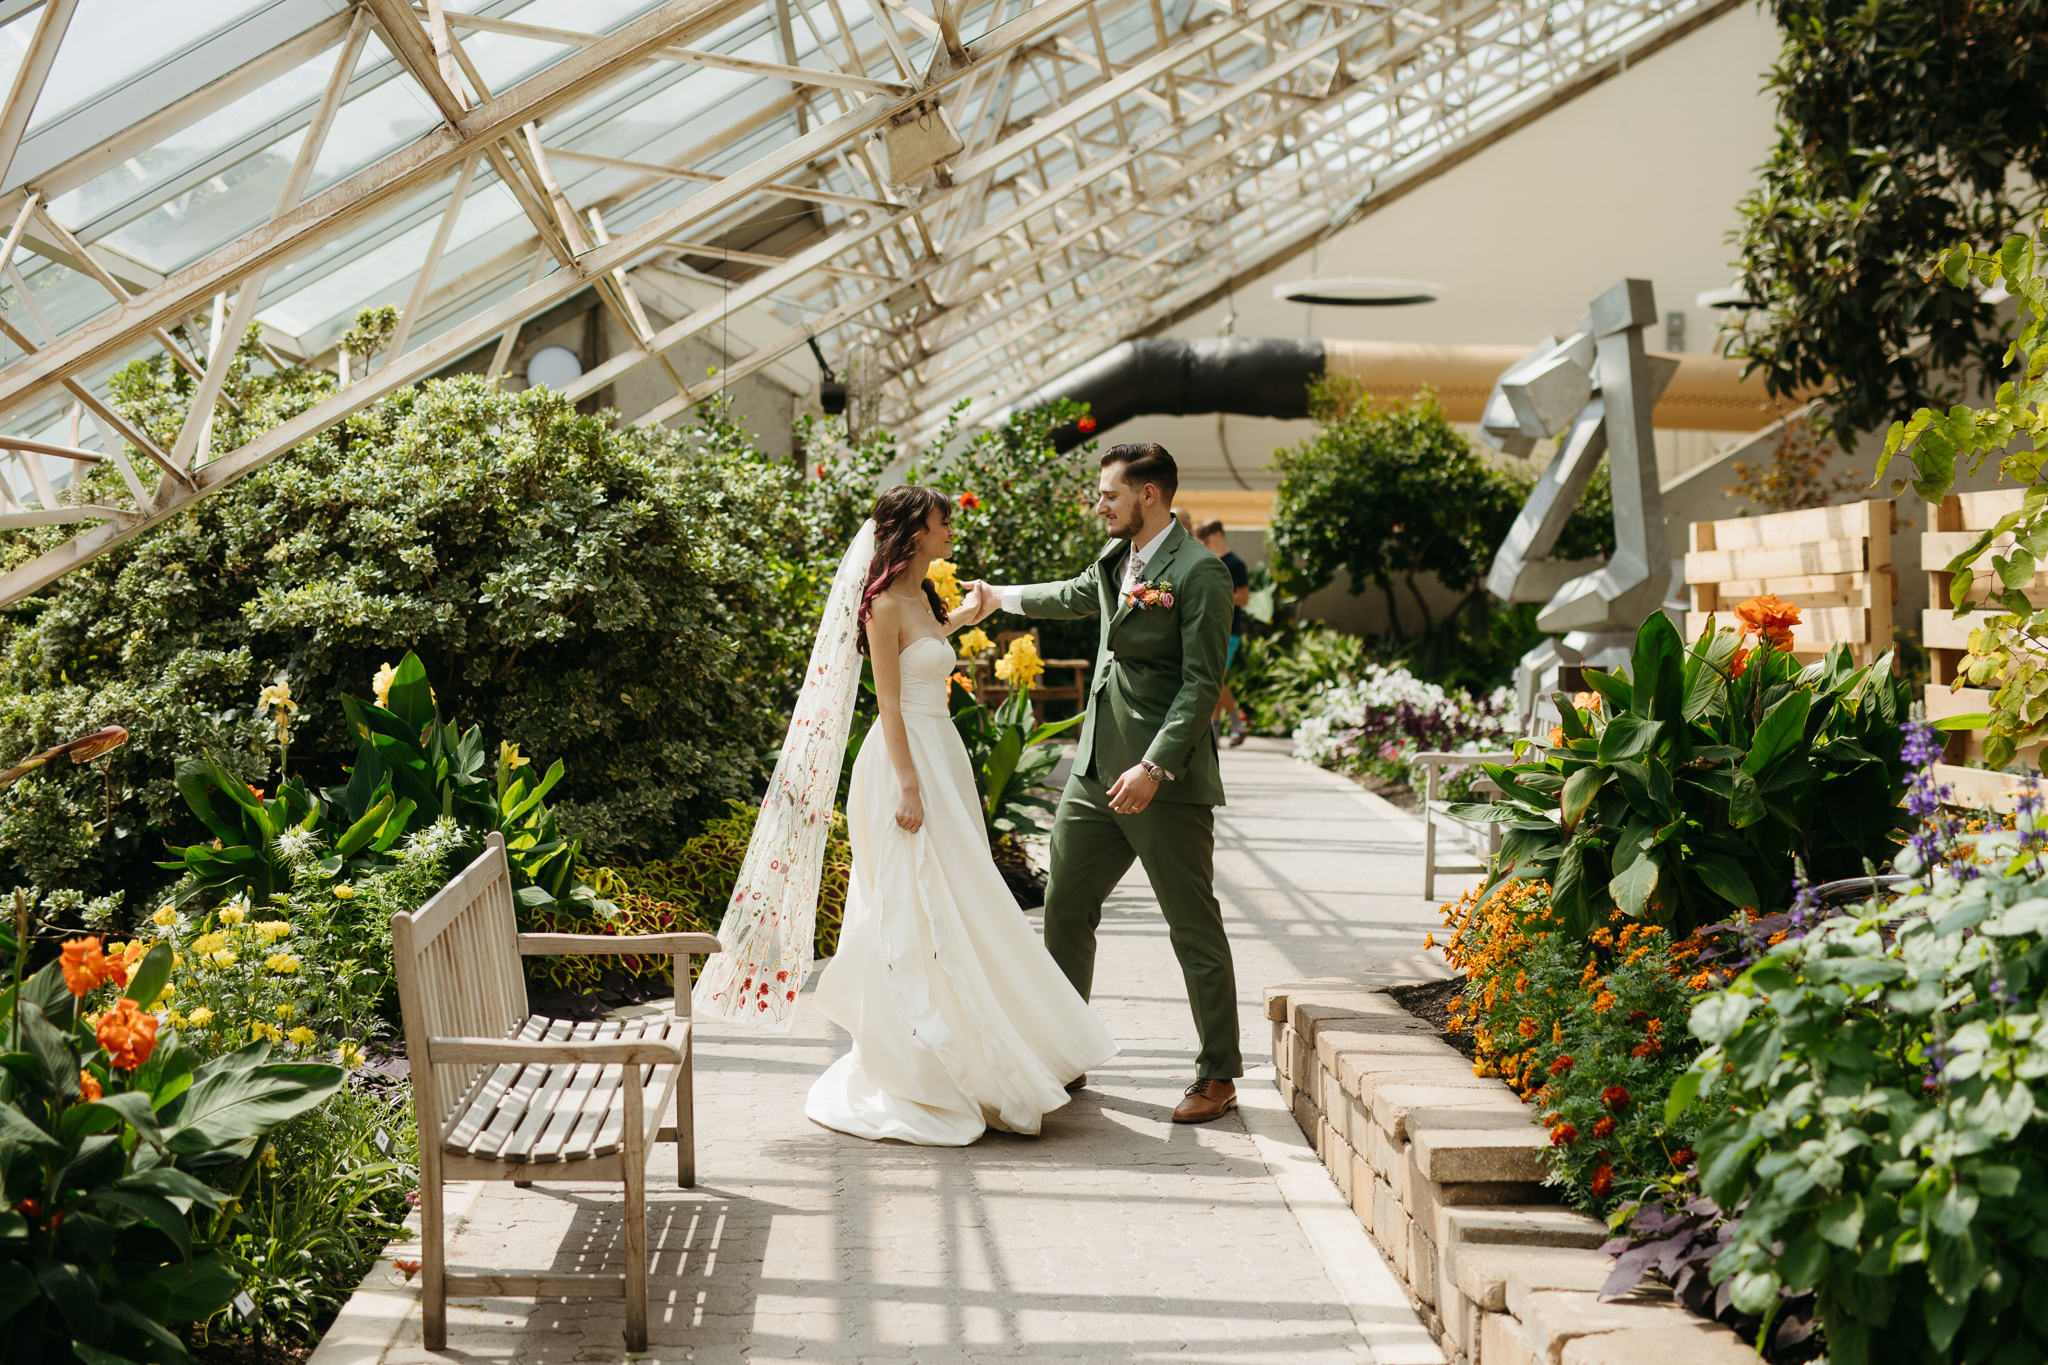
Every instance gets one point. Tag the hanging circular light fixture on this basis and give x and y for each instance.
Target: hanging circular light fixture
(1734, 296)
(1353, 292)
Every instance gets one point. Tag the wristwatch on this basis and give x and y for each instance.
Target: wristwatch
(1158, 773)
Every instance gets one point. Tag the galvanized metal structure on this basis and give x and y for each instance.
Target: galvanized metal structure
(976, 194)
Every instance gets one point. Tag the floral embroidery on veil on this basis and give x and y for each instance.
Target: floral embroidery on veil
(769, 924)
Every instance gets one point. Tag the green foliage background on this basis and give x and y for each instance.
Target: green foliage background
(625, 600)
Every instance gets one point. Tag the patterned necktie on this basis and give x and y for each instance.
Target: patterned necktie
(1134, 569)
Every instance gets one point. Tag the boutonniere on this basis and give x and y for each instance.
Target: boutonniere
(1149, 593)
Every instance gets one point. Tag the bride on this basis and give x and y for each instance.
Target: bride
(960, 1019)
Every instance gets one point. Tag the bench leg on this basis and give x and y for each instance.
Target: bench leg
(1428, 855)
(636, 1215)
(686, 1118)
(433, 1256)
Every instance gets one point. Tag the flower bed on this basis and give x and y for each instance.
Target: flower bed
(1375, 724)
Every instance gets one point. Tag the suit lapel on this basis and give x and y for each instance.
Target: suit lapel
(1153, 571)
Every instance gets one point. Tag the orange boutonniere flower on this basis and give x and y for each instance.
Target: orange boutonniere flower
(128, 1033)
(1151, 594)
(1770, 618)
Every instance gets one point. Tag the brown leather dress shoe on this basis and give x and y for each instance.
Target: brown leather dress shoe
(1206, 1099)
(1079, 1082)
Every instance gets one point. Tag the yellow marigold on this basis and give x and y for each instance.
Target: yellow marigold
(1557, 1032)
(259, 1029)
(1429, 940)
(381, 684)
(1775, 939)
(223, 958)
(284, 964)
(272, 930)
(1604, 1002)
(286, 1011)
(209, 943)
(975, 642)
(233, 915)
(303, 1036)
(200, 1017)
(351, 1056)
(945, 576)
(165, 917)
(167, 992)
(1021, 665)
(345, 892)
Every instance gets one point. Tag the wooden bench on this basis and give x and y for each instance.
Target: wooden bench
(500, 1093)
(1437, 812)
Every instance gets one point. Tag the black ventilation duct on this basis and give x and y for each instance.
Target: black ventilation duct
(1159, 376)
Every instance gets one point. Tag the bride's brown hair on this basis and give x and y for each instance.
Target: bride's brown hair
(899, 516)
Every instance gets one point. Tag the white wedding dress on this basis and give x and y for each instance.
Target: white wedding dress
(960, 1019)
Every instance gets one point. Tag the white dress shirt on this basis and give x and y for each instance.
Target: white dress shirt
(1012, 597)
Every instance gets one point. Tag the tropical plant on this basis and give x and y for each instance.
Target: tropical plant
(1903, 126)
(103, 1125)
(1887, 1076)
(1683, 791)
(1008, 752)
(2009, 646)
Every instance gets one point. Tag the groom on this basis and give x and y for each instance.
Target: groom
(1146, 779)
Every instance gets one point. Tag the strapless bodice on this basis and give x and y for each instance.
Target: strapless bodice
(925, 664)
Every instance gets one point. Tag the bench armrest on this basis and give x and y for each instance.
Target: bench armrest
(615, 945)
(1445, 760)
(645, 1051)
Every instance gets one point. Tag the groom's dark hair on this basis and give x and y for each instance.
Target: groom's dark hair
(1145, 462)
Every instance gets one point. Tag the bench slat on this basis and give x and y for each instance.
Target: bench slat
(519, 1145)
(553, 1143)
(483, 1098)
(514, 1104)
(654, 1091)
(585, 1136)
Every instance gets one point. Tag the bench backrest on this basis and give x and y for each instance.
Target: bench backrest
(459, 975)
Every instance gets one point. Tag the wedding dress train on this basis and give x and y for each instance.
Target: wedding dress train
(960, 1019)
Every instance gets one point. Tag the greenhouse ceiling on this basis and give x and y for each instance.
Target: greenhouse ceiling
(971, 196)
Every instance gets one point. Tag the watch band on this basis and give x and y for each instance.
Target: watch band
(1159, 774)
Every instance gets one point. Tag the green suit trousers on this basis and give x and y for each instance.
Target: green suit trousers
(1092, 849)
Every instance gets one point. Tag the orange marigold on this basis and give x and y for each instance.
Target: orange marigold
(1770, 618)
(1562, 1065)
(1700, 981)
(1602, 1183)
(1775, 939)
(1682, 1157)
(1603, 1002)
(1563, 1135)
(1527, 1028)
(128, 1033)
(1649, 1048)
(1603, 1126)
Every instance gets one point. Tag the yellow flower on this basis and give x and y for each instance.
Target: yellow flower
(1021, 666)
(233, 915)
(303, 1036)
(200, 1017)
(976, 642)
(165, 917)
(279, 695)
(259, 1029)
(944, 576)
(223, 958)
(344, 892)
(286, 1010)
(271, 930)
(174, 1019)
(284, 964)
(167, 992)
(269, 1157)
(509, 756)
(382, 685)
(351, 1056)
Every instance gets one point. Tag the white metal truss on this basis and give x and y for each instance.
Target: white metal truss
(1123, 161)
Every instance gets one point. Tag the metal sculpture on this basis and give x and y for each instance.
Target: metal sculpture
(1593, 390)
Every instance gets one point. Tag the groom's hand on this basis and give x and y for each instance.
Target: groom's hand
(1133, 791)
(986, 600)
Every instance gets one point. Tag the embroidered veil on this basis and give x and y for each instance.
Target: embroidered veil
(769, 923)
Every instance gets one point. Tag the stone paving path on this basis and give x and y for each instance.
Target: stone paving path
(1115, 1236)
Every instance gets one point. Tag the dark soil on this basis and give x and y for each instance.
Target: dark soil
(1431, 1001)
(1400, 793)
(1025, 881)
(245, 1351)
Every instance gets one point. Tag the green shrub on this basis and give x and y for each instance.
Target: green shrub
(1888, 1075)
(624, 600)
(1684, 797)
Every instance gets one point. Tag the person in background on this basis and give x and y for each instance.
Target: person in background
(1210, 533)
(1186, 520)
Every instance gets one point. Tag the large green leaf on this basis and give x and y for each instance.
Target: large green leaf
(1636, 884)
(151, 973)
(1579, 790)
(1746, 806)
(16, 1126)
(184, 1292)
(411, 698)
(1615, 691)
(1725, 878)
(1657, 672)
(1627, 736)
(1784, 725)
(229, 1104)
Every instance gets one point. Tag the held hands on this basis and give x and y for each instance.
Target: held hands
(909, 810)
(983, 600)
(1133, 791)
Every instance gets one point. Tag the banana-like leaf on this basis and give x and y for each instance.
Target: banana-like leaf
(1579, 790)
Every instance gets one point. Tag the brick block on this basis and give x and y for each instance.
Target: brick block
(1361, 1191)
(1427, 1196)
(1481, 1272)
(1501, 1342)
(1422, 1259)
(1460, 1317)
(1513, 1225)
(1455, 1073)
(1301, 1058)
(1418, 1059)
(1396, 1107)
(1692, 1342)
(1470, 1153)
(1340, 1162)
(1308, 1012)
(1552, 1319)
(1356, 1122)
(1306, 1114)
(1279, 1029)
(1392, 1227)
(1279, 997)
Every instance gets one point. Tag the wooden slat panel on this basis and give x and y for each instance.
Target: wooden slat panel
(597, 1102)
(1937, 548)
(1979, 788)
(485, 1098)
(1846, 555)
(519, 1145)
(519, 1097)
(1984, 509)
(553, 1143)
(1964, 701)
(1940, 630)
(1784, 528)
(1862, 587)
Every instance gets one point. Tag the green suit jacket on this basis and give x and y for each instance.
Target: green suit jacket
(1158, 671)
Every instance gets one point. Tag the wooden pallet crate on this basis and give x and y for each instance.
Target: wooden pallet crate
(1953, 523)
(1833, 563)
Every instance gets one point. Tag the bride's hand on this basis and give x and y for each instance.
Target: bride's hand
(910, 810)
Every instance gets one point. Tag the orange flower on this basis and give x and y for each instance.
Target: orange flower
(1586, 701)
(1562, 1065)
(1557, 736)
(1739, 665)
(1770, 618)
(86, 968)
(1527, 1028)
(128, 1033)
(1681, 1157)
(89, 1086)
(1564, 1135)
(1603, 1125)
(1615, 1097)
(1602, 1183)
